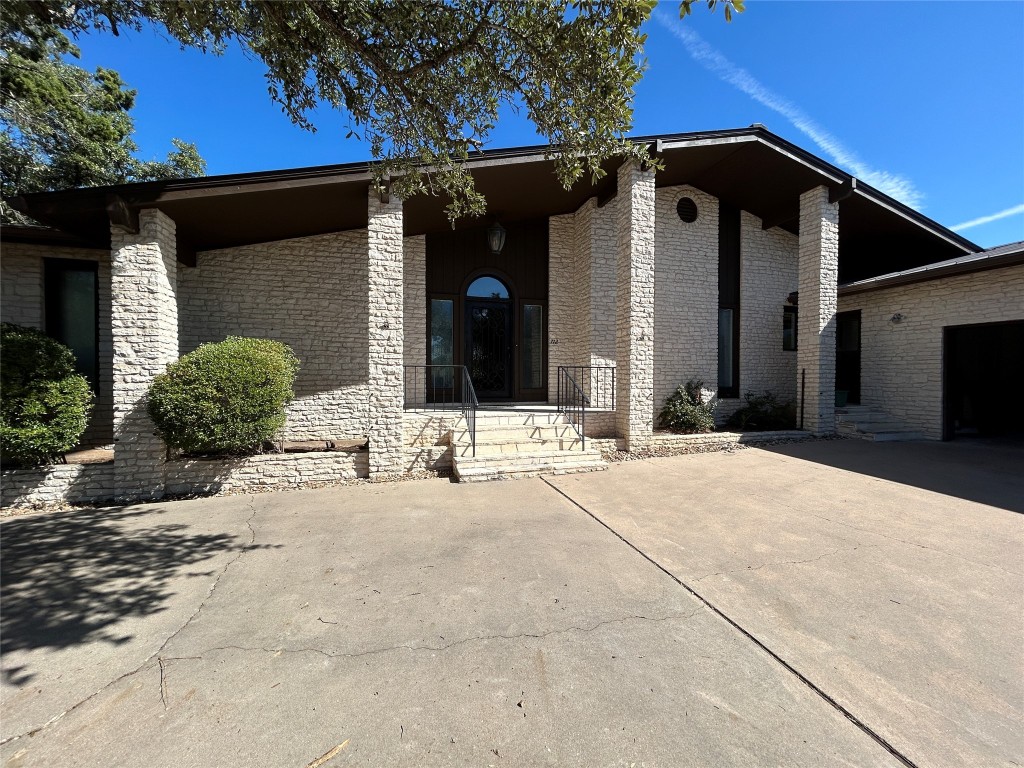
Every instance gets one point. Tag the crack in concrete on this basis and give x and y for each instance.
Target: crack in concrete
(438, 648)
(786, 562)
(811, 685)
(911, 543)
(147, 662)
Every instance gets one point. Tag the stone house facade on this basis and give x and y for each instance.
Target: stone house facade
(709, 269)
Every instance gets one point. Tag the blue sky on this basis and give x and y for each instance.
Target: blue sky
(922, 99)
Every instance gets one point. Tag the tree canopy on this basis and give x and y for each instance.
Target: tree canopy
(421, 82)
(63, 126)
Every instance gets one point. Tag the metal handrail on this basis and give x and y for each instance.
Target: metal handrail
(583, 387)
(442, 388)
(572, 401)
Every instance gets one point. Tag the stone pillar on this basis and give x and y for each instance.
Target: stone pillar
(816, 332)
(144, 320)
(634, 305)
(386, 339)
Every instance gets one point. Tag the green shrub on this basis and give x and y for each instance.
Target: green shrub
(44, 403)
(226, 397)
(688, 411)
(764, 413)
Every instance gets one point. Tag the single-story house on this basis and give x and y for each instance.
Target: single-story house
(567, 313)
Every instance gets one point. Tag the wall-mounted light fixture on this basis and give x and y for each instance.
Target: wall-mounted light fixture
(496, 238)
(897, 318)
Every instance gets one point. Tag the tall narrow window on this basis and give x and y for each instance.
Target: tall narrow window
(789, 328)
(442, 343)
(532, 363)
(72, 311)
(728, 301)
(726, 377)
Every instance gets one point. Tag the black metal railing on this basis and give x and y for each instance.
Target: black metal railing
(572, 402)
(442, 388)
(581, 387)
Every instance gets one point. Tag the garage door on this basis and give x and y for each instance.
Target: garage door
(984, 380)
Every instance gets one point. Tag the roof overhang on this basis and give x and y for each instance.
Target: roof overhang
(995, 258)
(750, 168)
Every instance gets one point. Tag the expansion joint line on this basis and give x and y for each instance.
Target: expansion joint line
(864, 727)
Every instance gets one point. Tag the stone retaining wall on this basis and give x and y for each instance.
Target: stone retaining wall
(90, 483)
(59, 484)
(723, 439)
(272, 471)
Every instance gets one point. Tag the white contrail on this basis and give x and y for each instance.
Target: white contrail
(892, 184)
(1015, 210)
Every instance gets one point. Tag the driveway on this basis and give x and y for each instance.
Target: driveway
(831, 603)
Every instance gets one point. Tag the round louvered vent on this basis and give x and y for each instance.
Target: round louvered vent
(687, 210)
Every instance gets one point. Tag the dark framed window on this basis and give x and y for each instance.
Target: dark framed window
(71, 300)
(442, 341)
(728, 301)
(789, 318)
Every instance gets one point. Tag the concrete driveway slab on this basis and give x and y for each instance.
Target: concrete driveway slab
(418, 623)
(899, 598)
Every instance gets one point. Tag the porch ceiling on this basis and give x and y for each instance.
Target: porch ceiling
(748, 168)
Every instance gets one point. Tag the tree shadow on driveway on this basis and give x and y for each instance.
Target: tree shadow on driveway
(69, 578)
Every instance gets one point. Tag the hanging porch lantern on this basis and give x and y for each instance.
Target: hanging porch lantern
(496, 238)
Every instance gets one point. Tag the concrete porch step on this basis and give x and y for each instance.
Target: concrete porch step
(503, 432)
(869, 423)
(516, 445)
(504, 466)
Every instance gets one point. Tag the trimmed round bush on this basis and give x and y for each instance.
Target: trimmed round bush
(44, 402)
(226, 397)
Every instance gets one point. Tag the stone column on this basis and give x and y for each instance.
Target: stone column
(144, 319)
(816, 332)
(634, 305)
(386, 338)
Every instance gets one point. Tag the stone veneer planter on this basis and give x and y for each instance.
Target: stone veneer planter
(59, 484)
(723, 439)
(91, 483)
(269, 471)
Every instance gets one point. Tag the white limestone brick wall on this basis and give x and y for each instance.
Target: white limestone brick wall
(427, 439)
(816, 334)
(768, 274)
(310, 293)
(603, 280)
(144, 319)
(635, 310)
(385, 287)
(901, 363)
(686, 294)
(582, 280)
(562, 298)
(21, 302)
(58, 484)
(414, 301)
(265, 472)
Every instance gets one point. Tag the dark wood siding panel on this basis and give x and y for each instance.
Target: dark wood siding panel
(452, 257)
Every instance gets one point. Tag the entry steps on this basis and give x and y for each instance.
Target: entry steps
(520, 444)
(870, 423)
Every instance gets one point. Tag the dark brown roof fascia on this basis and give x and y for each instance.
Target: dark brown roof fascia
(924, 275)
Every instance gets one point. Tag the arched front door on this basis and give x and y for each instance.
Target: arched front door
(489, 337)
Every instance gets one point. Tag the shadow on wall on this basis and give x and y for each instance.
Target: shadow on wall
(69, 578)
(983, 471)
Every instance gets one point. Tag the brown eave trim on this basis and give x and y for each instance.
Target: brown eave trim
(922, 276)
